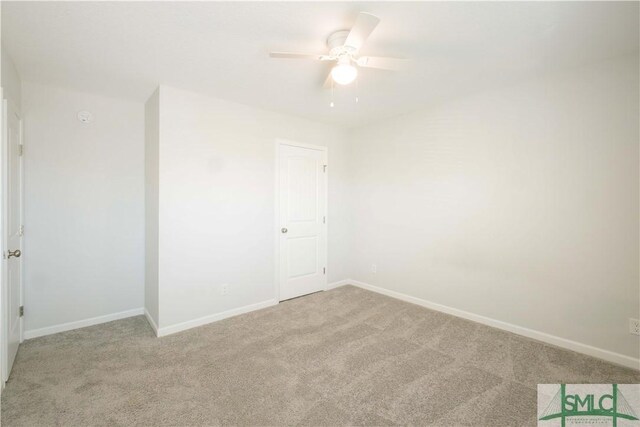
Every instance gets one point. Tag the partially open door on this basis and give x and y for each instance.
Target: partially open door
(12, 237)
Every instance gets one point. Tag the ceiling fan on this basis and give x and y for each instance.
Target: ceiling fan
(344, 46)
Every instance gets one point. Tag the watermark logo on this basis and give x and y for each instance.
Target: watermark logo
(576, 405)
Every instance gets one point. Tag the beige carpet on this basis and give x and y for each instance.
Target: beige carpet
(346, 356)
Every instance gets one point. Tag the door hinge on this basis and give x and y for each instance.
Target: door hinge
(324, 270)
(324, 219)
(21, 232)
(21, 310)
(20, 150)
(324, 168)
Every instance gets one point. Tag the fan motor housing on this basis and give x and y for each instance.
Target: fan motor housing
(336, 41)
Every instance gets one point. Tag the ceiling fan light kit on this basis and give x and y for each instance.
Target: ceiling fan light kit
(344, 73)
(344, 46)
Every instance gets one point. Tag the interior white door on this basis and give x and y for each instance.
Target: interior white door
(13, 237)
(302, 227)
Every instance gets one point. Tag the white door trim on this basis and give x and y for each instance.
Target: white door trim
(3, 336)
(4, 344)
(276, 221)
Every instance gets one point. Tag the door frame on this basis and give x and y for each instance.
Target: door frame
(3, 335)
(4, 282)
(276, 227)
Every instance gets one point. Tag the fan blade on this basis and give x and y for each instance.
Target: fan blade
(328, 83)
(382, 62)
(294, 55)
(365, 24)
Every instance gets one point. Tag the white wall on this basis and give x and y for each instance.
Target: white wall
(519, 204)
(84, 201)
(11, 82)
(217, 199)
(151, 144)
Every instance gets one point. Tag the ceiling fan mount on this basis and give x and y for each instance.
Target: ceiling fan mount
(344, 46)
(336, 43)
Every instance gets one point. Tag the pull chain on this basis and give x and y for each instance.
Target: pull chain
(331, 104)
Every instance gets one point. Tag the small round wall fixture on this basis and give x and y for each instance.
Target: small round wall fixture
(85, 116)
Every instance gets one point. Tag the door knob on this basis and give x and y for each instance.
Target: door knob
(284, 230)
(15, 254)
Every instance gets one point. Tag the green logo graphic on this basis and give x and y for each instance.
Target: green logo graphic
(613, 405)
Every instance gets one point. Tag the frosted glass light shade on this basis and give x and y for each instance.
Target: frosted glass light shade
(343, 74)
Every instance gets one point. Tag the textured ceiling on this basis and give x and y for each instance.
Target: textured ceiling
(126, 49)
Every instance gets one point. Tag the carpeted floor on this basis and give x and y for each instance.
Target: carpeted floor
(346, 356)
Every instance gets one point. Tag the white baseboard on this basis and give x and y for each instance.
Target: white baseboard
(339, 283)
(63, 327)
(168, 330)
(609, 356)
(151, 321)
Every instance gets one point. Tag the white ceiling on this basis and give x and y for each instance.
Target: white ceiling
(220, 48)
